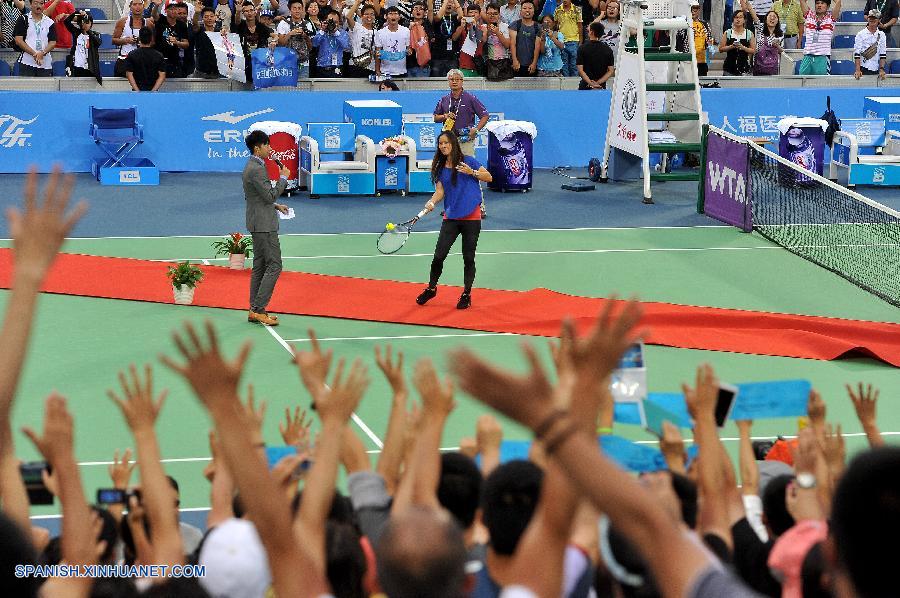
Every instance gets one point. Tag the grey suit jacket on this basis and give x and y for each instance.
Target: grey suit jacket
(261, 196)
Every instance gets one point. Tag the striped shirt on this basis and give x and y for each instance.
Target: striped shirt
(791, 16)
(866, 39)
(818, 34)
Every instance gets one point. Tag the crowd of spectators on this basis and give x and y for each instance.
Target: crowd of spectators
(421, 38)
(422, 522)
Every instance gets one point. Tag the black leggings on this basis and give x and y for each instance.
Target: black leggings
(450, 229)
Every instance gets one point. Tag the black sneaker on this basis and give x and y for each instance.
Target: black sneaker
(465, 300)
(426, 296)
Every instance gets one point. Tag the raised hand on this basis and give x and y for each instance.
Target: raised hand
(701, 400)
(214, 379)
(40, 229)
(56, 442)
(835, 450)
(138, 407)
(815, 409)
(392, 370)
(597, 355)
(313, 366)
(671, 445)
(339, 403)
(864, 400)
(437, 397)
(527, 398)
(254, 415)
(488, 434)
(295, 428)
(121, 469)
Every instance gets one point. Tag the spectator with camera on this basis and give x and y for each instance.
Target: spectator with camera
(171, 38)
(125, 33)
(331, 41)
(296, 33)
(552, 45)
(362, 40)
(445, 49)
(612, 26)
(870, 47)
(84, 56)
(473, 33)
(392, 46)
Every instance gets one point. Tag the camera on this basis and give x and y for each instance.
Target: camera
(330, 26)
(32, 476)
(116, 496)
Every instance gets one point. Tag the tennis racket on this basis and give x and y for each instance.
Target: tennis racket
(390, 241)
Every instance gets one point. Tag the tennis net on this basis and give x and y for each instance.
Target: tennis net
(825, 223)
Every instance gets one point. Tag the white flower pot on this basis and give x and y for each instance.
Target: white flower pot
(184, 295)
(236, 261)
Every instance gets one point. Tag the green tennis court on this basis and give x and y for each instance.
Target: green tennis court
(80, 343)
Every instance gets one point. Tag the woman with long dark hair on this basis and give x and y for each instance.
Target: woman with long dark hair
(769, 40)
(456, 179)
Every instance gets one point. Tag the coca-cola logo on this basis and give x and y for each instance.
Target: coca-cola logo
(288, 154)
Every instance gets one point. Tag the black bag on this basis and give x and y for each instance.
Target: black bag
(499, 70)
(834, 123)
(480, 66)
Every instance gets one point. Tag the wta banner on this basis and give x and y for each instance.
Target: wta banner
(229, 55)
(274, 68)
(726, 183)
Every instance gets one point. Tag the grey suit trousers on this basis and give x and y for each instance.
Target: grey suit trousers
(266, 269)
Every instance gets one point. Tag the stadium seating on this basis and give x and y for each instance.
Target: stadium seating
(106, 41)
(842, 67)
(843, 41)
(853, 16)
(894, 68)
(107, 68)
(98, 13)
(4, 69)
(59, 68)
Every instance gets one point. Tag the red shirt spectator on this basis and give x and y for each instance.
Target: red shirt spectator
(58, 10)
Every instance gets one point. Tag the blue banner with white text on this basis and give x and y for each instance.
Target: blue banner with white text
(204, 131)
(274, 68)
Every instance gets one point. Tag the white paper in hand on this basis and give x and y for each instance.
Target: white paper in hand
(287, 216)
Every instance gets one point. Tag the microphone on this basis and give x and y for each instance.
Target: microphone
(277, 161)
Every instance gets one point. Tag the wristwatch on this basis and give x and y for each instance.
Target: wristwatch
(806, 480)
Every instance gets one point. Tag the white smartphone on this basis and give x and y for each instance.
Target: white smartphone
(725, 402)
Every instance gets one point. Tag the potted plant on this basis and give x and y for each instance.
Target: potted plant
(237, 247)
(185, 277)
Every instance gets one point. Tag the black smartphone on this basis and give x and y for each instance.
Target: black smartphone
(724, 403)
(38, 494)
(116, 496)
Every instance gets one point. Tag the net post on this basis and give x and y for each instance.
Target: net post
(701, 185)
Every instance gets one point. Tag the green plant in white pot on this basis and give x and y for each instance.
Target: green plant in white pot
(237, 247)
(185, 277)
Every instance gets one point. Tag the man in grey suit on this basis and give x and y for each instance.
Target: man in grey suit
(262, 222)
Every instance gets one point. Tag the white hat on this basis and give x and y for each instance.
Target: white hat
(235, 561)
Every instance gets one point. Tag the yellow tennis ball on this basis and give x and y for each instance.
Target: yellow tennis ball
(389, 226)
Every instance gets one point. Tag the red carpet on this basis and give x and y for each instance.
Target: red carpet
(536, 312)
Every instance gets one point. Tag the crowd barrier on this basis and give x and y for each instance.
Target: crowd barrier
(204, 131)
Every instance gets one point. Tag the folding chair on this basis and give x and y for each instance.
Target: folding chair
(117, 132)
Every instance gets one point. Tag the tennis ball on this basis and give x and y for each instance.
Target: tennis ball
(389, 226)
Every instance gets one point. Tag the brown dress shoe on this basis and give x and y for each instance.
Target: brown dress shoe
(262, 319)
(250, 317)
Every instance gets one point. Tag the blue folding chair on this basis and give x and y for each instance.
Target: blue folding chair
(97, 13)
(107, 68)
(59, 68)
(894, 69)
(843, 67)
(117, 132)
(106, 42)
(853, 16)
(843, 41)
(5, 70)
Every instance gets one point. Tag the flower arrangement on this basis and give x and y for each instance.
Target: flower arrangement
(185, 274)
(391, 146)
(234, 244)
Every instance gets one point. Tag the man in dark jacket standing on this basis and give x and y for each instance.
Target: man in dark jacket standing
(262, 222)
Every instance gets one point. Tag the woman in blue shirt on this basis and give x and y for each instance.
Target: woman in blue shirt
(456, 179)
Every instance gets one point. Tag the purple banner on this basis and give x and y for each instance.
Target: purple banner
(726, 185)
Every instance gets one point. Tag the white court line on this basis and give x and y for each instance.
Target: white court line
(431, 232)
(558, 252)
(356, 419)
(408, 336)
(205, 262)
